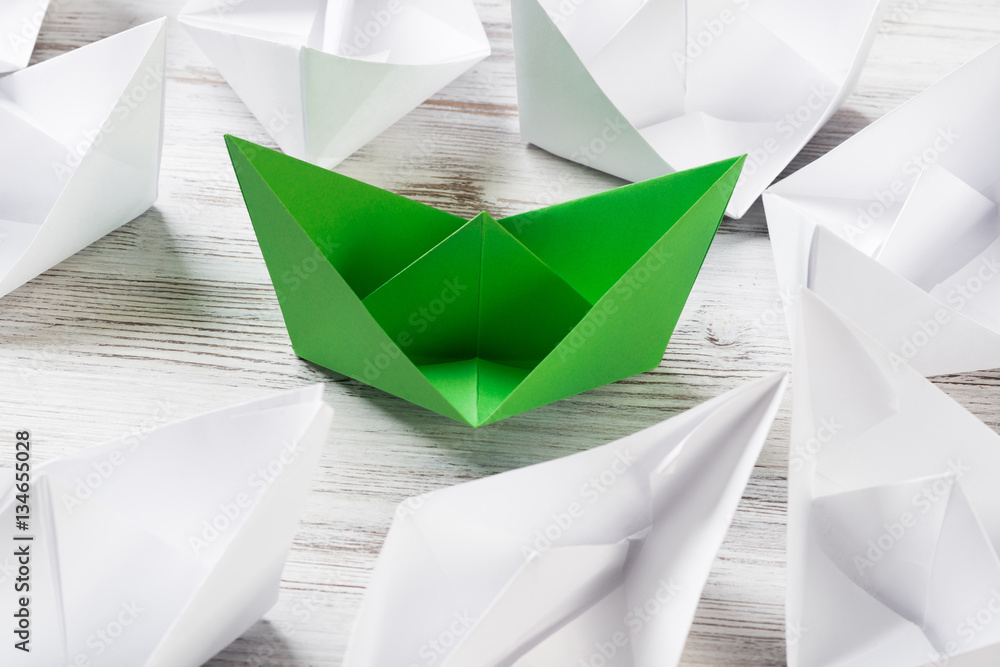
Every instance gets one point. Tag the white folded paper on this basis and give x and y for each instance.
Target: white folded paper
(599, 556)
(894, 524)
(161, 550)
(913, 199)
(325, 77)
(642, 88)
(81, 137)
(20, 21)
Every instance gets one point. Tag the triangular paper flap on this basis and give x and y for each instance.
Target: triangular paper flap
(29, 186)
(72, 96)
(111, 569)
(291, 22)
(791, 225)
(459, 548)
(849, 385)
(20, 21)
(459, 15)
(929, 434)
(873, 174)
(718, 444)
(550, 590)
(266, 75)
(974, 290)
(349, 102)
(643, 465)
(245, 582)
(431, 308)
(368, 234)
(554, 86)
(525, 308)
(643, 307)
(965, 581)
(829, 38)
(551, 76)
(839, 623)
(792, 221)
(929, 437)
(725, 80)
(769, 118)
(323, 96)
(239, 450)
(915, 327)
(943, 226)
(479, 293)
(692, 139)
(695, 493)
(414, 32)
(886, 539)
(918, 548)
(618, 227)
(654, 35)
(326, 320)
(111, 178)
(880, 164)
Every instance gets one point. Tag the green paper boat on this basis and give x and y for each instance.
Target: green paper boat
(479, 320)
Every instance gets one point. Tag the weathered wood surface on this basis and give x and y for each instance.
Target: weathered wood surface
(173, 315)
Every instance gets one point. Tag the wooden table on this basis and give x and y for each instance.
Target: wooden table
(174, 315)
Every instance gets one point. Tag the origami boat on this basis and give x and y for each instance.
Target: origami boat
(483, 319)
(325, 77)
(898, 228)
(893, 520)
(82, 136)
(603, 553)
(161, 550)
(642, 88)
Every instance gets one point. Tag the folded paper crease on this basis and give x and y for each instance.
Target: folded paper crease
(899, 227)
(642, 88)
(325, 77)
(532, 566)
(83, 138)
(479, 320)
(893, 527)
(190, 556)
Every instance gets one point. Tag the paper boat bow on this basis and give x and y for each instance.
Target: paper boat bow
(479, 320)
(325, 77)
(543, 566)
(642, 88)
(894, 525)
(899, 227)
(81, 137)
(160, 550)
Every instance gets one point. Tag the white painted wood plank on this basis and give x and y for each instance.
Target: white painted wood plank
(174, 315)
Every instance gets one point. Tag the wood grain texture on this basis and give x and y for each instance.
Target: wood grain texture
(174, 315)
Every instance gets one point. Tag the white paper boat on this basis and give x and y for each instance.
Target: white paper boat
(898, 228)
(545, 565)
(161, 551)
(894, 525)
(642, 88)
(82, 135)
(325, 77)
(20, 21)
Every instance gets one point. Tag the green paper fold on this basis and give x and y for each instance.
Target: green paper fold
(479, 320)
